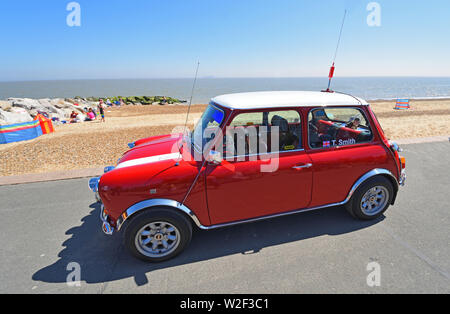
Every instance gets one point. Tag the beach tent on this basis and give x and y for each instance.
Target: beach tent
(46, 124)
(20, 132)
(402, 104)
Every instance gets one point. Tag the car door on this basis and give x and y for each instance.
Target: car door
(259, 183)
(341, 150)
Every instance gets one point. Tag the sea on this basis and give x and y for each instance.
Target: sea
(369, 88)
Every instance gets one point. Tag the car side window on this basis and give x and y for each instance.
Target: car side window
(331, 127)
(263, 132)
(289, 129)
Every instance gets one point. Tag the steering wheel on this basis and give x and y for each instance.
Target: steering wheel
(311, 125)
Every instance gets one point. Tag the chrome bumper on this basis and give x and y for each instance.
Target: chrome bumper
(93, 185)
(402, 178)
(106, 226)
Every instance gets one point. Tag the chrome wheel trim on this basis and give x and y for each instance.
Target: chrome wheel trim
(157, 239)
(374, 200)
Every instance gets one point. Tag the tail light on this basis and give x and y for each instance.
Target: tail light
(403, 162)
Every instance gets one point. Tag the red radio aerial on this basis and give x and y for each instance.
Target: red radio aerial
(331, 74)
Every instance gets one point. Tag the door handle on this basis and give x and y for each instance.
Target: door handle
(302, 167)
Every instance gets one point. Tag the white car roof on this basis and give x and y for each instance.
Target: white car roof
(259, 100)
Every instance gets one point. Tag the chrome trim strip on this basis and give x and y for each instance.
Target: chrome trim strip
(231, 158)
(176, 205)
(269, 217)
(153, 203)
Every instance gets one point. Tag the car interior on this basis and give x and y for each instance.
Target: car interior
(327, 131)
(252, 133)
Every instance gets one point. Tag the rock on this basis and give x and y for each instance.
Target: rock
(17, 115)
(60, 103)
(33, 113)
(5, 105)
(25, 103)
(70, 100)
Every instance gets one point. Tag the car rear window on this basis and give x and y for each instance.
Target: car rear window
(332, 127)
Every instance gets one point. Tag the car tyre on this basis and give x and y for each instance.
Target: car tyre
(157, 235)
(371, 199)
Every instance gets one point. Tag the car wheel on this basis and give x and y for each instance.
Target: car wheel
(371, 199)
(158, 235)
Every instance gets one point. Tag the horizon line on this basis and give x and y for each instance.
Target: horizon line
(220, 77)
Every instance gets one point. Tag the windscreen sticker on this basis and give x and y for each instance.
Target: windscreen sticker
(349, 141)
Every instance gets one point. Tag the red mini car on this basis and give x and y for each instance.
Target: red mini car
(251, 156)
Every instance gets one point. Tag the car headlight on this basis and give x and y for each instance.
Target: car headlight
(108, 169)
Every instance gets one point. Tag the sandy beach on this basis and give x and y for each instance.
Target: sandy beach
(95, 144)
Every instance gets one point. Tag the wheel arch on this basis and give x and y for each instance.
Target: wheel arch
(157, 203)
(372, 174)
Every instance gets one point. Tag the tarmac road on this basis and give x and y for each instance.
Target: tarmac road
(46, 226)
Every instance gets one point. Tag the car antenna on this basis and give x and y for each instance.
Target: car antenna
(331, 74)
(190, 103)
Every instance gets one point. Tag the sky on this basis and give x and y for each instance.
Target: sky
(230, 38)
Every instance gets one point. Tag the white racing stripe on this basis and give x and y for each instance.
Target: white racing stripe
(148, 160)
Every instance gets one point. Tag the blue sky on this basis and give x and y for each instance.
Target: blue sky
(231, 38)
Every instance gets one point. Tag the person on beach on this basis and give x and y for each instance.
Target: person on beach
(73, 117)
(90, 115)
(101, 110)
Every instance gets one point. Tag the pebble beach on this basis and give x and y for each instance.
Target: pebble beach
(95, 144)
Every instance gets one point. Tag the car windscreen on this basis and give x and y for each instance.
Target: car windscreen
(207, 127)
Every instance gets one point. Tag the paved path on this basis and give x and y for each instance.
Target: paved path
(51, 176)
(46, 226)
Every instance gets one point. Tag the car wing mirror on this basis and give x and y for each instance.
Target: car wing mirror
(215, 157)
